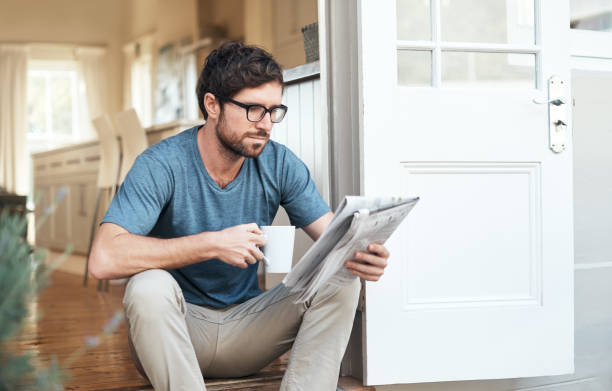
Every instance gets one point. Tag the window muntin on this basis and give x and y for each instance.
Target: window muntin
(500, 50)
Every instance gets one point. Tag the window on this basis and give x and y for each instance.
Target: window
(466, 43)
(593, 15)
(57, 109)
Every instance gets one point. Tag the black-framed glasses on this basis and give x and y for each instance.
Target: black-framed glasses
(255, 113)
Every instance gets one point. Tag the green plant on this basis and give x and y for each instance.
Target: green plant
(22, 276)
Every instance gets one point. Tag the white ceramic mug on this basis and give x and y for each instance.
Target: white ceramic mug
(279, 247)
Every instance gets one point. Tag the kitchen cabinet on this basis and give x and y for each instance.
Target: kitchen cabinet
(65, 187)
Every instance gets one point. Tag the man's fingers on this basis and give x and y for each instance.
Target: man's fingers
(371, 259)
(365, 276)
(258, 240)
(241, 264)
(379, 249)
(250, 259)
(365, 269)
(252, 227)
(256, 253)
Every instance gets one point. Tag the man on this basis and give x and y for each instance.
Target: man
(185, 226)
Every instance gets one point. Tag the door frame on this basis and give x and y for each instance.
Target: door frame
(341, 99)
(341, 95)
(591, 50)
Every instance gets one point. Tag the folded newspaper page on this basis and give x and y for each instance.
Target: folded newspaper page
(357, 222)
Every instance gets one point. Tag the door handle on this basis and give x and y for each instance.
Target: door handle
(556, 101)
(557, 114)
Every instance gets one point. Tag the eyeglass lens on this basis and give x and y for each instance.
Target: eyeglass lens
(256, 113)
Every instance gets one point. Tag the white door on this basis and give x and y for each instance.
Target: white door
(480, 281)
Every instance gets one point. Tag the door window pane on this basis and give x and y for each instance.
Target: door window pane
(414, 67)
(490, 21)
(591, 15)
(496, 70)
(413, 20)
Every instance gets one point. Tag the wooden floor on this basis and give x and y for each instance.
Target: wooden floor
(69, 315)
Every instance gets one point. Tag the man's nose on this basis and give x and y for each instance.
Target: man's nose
(266, 122)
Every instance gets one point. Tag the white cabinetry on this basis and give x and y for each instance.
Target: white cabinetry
(65, 185)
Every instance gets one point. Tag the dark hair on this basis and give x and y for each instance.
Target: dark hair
(234, 66)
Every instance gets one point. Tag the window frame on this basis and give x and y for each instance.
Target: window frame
(436, 46)
(50, 139)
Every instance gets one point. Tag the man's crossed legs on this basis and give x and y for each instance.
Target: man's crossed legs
(173, 343)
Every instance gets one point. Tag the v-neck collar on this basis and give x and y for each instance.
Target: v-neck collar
(211, 181)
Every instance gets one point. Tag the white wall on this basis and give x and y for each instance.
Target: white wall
(109, 23)
(225, 14)
(169, 20)
(301, 132)
(141, 18)
(68, 22)
(276, 25)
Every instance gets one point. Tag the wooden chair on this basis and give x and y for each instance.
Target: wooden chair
(133, 143)
(108, 175)
(133, 139)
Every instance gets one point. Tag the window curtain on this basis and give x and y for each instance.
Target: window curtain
(142, 93)
(93, 69)
(13, 118)
(137, 78)
(189, 66)
(129, 56)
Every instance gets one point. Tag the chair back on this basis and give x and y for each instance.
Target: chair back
(109, 152)
(133, 139)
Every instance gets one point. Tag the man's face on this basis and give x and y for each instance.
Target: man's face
(241, 136)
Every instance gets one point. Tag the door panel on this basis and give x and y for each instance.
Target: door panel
(480, 282)
(502, 241)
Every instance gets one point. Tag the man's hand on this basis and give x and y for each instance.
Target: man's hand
(369, 265)
(238, 245)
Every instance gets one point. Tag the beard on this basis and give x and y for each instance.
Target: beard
(237, 144)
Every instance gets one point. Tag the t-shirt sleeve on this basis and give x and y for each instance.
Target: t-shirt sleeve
(300, 197)
(141, 197)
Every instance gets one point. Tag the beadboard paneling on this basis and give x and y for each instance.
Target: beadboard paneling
(301, 132)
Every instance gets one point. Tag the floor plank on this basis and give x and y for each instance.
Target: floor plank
(66, 314)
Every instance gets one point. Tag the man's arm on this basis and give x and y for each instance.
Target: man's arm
(117, 253)
(316, 228)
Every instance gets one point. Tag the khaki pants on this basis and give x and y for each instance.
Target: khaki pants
(174, 343)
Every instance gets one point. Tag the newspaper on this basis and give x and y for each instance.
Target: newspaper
(357, 222)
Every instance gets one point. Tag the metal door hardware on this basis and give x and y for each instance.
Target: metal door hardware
(557, 114)
(556, 102)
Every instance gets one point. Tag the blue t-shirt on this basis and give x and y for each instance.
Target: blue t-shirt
(168, 194)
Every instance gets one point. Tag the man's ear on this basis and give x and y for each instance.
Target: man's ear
(211, 104)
